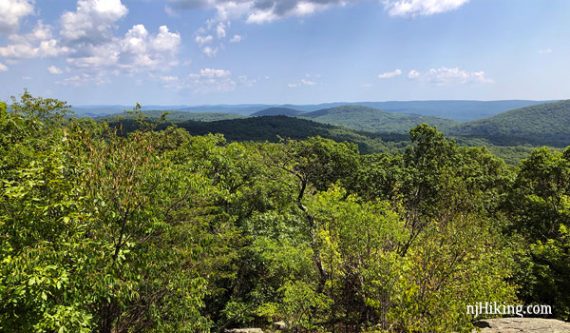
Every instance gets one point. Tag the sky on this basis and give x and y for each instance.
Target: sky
(193, 52)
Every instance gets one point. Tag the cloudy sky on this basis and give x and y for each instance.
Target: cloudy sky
(284, 51)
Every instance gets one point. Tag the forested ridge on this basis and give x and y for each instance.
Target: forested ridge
(363, 118)
(157, 229)
(543, 124)
(260, 129)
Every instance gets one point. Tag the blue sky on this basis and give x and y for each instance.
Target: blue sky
(284, 51)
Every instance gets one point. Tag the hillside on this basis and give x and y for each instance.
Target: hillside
(459, 110)
(267, 128)
(544, 124)
(179, 116)
(277, 111)
(367, 119)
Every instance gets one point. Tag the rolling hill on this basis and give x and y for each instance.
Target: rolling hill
(459, 110)
(277, 111)
(178, 116)
(543, 124)
(367, 119)
(267, 128)
(272, 128)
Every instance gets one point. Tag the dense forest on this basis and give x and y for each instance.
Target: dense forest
(165, 229)
(275, 124)
(264, 128)
(543, 124)
(373, 120)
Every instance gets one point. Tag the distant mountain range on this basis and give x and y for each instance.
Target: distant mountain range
(362, 118)
(177, 116)
(538, 124)
(509, 134)
(458, 110)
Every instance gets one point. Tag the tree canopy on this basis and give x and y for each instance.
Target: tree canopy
(161, 230)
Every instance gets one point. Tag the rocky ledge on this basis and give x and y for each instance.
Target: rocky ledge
(523, 325)
(498, 325)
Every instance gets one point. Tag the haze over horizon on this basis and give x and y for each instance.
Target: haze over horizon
(212, 52)
(324, 103)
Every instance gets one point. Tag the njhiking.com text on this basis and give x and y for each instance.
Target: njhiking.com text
(501, 309)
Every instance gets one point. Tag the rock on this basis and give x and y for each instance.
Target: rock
(280, 325)
(522, 325)
(245, 330)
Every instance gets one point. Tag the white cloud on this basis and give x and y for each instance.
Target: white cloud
(136, 50)
(413, 74)
(209, 51)
(411, 8)
(169, 78)
(54, 70)
(244, 80)
(93, 20)
(214, 73)
(171, 81)
(268, 11)
(170, 11)
(264, 11)
(236, 39)
(90, 33)
(221, 30)
(447, 76)
(87, 38)
(210, 80)
(211, 37)
(84, 79)
(259, 11)
(165, 41)
(3, 67)
(305, 82)
(545, 51)
(390, 75)
(206, 81)
(17, 51)
(38, 43)
(203, 40)
(12, 12)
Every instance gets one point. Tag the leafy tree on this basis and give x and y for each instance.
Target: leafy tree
(538, 206)
(146, 228)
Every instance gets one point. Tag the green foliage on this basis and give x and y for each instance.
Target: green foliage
(277, 111)
(543, 124)
(367, 119)
(147, 228)
(272, 129)
(176, 116)
(539, 206)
